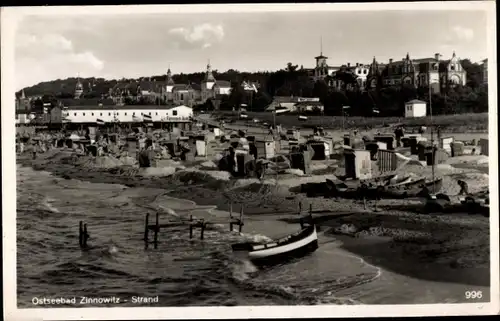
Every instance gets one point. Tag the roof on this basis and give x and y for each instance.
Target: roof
(320, 57)
(196, 87)
(416, 101)
(181, 87)
(285, 99)
(125, 107)
(85, 102)
(223, 83)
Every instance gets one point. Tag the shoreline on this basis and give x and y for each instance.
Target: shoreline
(443, 252)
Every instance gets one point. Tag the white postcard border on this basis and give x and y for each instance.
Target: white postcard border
(9, 19)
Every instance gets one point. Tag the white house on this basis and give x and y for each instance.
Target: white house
(416, 108)
(23, 118)
(125, 114)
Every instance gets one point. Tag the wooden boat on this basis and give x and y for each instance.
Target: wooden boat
(436, 184)
(407, 183)
(292, 246)
(380, 180)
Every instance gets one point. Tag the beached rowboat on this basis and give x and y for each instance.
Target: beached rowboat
(292, 246)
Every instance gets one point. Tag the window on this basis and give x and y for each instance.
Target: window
(365, 71)
(117, 113)
(101, 114)
(125, 114)
(133, 114)
(92, 114)
(156, 114)
(142, 114)
(109, 114)
(75, 114)
(83, 114)
(452, 67)
(149, 113)
(174, 112)
(182, 96)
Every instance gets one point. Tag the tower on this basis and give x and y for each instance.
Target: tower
(78, 89)
(170, 81)
(208, 83)
(209, 77)
(321, 70)
(169, 87)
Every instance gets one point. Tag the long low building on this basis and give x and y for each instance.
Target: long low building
(121, 114)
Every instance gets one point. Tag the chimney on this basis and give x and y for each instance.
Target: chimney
(390, 60)
(436, 56)
(357, 64)
(348, 64)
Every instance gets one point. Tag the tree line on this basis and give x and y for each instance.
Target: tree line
(297, 81)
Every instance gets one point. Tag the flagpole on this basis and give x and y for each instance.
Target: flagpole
(432, 140)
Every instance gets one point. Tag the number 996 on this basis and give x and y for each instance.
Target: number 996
(473, 294)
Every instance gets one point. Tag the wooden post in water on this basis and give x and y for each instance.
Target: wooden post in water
(157, 229)
(146, 231)
(190, 226)
(203, 225)
(85, 235)
(240, 228)
(80, 234)
(301, 220)
(231, 217)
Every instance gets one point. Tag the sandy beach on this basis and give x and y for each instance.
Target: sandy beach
(448, 253)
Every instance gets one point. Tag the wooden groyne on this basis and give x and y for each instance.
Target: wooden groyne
(83, 235)
(192, 223)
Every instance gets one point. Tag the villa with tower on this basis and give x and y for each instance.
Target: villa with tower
(439, 73)
(435, 71)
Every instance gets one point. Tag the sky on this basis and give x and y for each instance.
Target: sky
(49, 47)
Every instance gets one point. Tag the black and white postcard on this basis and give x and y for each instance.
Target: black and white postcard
(229, 161)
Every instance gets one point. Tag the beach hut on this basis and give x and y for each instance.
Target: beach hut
(484, 144)
(457, 149)
(293, 134)
(358, 164)
(302, 161)
(265, 148)
(445, 143)
(201, 148)
(388, 139)
(320, 148)
(440, 157)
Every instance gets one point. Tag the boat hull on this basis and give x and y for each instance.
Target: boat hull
(272, 254)
(286, 256)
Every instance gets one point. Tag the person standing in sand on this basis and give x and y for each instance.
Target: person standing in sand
(147, 155)
(464, 188)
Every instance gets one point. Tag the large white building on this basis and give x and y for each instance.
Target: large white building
(121, 114)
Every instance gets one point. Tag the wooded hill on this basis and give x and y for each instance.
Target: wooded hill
(295, 81)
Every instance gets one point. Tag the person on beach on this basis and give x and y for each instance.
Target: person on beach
(464, 188)
(271, 130)
(147, 155)
(399, 133)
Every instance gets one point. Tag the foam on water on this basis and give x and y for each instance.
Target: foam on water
(184, 266)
